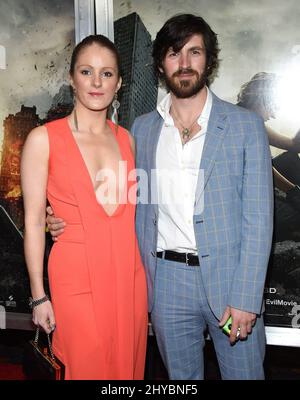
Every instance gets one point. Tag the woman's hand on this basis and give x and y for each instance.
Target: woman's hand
(43, 315)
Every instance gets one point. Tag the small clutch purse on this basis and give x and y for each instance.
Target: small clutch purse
(39, 362)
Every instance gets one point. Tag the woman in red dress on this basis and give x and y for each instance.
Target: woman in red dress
(81, 164)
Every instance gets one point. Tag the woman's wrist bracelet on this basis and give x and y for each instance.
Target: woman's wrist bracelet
(37, 302)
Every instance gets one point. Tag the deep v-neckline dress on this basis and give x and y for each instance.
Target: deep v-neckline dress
(97, 280)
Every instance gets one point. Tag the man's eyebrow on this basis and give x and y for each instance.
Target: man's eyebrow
(197, 48)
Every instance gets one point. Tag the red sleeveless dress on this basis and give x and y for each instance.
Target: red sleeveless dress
(97, 280)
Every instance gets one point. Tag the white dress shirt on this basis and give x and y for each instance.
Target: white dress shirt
(177, 168)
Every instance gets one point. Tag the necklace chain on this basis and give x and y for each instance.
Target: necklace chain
(186, 131)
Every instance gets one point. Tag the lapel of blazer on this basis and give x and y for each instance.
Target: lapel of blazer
(151, 147)
(217, 127)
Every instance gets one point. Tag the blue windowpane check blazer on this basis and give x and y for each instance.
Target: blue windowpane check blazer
(234, 227)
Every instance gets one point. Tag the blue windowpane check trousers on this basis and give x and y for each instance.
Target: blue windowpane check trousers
(180, 316)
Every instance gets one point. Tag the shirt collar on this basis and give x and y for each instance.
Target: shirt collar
(164, 109)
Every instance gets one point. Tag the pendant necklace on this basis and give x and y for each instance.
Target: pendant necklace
(186, 131)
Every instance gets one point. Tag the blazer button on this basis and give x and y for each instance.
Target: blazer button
(154, 222)
(153, 253)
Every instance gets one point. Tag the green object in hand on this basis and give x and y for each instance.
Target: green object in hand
(227, 327)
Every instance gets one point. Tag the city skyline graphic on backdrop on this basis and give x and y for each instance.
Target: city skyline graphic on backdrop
(38, 37)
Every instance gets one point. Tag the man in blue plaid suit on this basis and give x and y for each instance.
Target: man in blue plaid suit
(205, 213)
(206, 246)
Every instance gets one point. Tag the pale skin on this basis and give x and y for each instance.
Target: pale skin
(34, 173)
(95, 80)
(193, 56)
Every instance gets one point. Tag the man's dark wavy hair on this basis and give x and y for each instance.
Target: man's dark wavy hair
(176, 32)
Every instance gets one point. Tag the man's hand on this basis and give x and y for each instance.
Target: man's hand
(242, 320)
(55, 225)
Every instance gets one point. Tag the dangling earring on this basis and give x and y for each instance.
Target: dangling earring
(115, 105)
(74, 110)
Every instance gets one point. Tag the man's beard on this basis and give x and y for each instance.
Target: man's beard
(185, 88)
